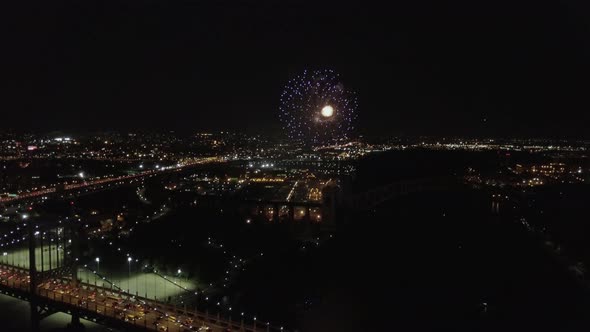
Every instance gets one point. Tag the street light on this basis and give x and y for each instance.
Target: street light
(97, 260)
(165, 289)
(155, 286)
(144, 274)
(129, 275)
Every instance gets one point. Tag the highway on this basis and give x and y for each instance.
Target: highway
(52, 189)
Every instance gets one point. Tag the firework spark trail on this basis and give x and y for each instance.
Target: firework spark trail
(316, 108)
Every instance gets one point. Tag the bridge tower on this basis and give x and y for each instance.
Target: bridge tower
(43, 240)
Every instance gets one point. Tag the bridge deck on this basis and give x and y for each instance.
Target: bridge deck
(115, 309)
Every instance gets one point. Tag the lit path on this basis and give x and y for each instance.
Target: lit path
(136, 311)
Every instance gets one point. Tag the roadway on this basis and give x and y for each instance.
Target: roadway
(52, 189)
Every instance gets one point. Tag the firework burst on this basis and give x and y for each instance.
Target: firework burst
(316, 108)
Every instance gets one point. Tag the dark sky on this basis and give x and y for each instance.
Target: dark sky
(483, 68)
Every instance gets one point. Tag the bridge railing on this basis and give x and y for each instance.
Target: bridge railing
(78, 299)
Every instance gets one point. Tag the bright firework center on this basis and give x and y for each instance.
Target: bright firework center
(327, 111)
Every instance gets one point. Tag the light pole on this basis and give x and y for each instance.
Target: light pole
(137, 281)
(129, 274)
(5, 260)
(178, 275)
(155, 286)
(144, 274)
(24, 217)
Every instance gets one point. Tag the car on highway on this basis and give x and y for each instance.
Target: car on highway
(161, 327)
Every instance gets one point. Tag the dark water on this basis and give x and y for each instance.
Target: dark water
(15, 314)
(440, 262)
(431, 261)
(425, 262)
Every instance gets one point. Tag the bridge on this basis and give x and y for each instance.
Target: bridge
(99, 183)
(52, 285)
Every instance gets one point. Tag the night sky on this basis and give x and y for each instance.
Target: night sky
(477, 68)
